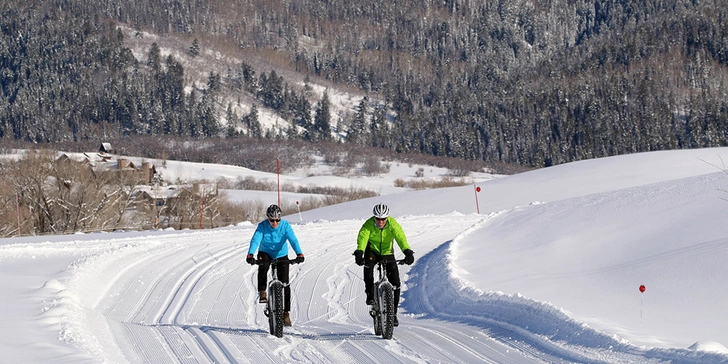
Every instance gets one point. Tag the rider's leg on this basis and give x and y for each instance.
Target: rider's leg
(283, 277)
(263, 274)
(369, 284)
(393, 277)
(370, 259)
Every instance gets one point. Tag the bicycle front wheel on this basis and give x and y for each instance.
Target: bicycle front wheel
(387, 314)
(275, 306)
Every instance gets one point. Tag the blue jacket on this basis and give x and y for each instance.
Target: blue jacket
(273, 241)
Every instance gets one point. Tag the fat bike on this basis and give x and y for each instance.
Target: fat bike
(276, 296)
(383, 310)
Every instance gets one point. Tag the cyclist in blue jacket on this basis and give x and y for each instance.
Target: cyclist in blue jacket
(271, 239)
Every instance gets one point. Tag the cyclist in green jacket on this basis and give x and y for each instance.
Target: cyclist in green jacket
(374, 243)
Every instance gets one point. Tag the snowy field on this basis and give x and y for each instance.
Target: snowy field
(546, 267)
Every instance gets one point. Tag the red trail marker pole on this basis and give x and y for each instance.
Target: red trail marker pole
(477, 204)
(642, 290)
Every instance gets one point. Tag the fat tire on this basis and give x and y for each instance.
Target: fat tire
(275, 319)
(387, 315)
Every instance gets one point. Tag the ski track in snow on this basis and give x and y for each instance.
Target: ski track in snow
(194, 300)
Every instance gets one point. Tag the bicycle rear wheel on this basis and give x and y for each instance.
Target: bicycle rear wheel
(275, 306)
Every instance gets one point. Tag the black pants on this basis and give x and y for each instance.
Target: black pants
(370, 261)
(282, 273)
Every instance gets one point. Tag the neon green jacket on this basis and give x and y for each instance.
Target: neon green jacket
(380, 241)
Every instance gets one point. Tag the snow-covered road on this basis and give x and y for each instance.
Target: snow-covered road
(190, 297)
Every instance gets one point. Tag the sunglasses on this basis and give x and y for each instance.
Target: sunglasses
(274, 220)
(382, 219)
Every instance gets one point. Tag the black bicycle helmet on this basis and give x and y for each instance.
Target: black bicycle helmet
(380, 211)
(273, 212)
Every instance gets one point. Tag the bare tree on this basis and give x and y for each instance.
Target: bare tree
(58, 195)
(30, 176)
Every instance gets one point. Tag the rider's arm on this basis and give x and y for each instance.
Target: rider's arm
(363, 237)
(399, 235)
(255, 240)
(291, 236)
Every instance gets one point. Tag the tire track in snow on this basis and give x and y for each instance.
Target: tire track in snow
(440, 335)
(237, 297)
(304, 273)
(184, 285)
(138, 271)
(180, 297)
(184, 278)
(337, 284)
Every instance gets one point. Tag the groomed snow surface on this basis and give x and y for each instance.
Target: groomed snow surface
(545, 268)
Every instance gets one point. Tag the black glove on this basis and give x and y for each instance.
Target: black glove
(359, 257)
(299, 258)
(409, 257)
(250, 259)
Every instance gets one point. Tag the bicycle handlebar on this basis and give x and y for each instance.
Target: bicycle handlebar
(273, 261)
(398, 261)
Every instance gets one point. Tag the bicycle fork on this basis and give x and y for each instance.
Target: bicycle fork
(271, 305)
(377, 308)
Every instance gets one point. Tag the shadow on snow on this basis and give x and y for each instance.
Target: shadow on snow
(331, 336)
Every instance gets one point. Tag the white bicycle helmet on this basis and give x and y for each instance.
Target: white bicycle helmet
(380, 211)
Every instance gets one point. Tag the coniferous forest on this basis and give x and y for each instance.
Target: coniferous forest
(528, 82)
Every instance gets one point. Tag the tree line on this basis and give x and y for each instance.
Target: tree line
(535, 83)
